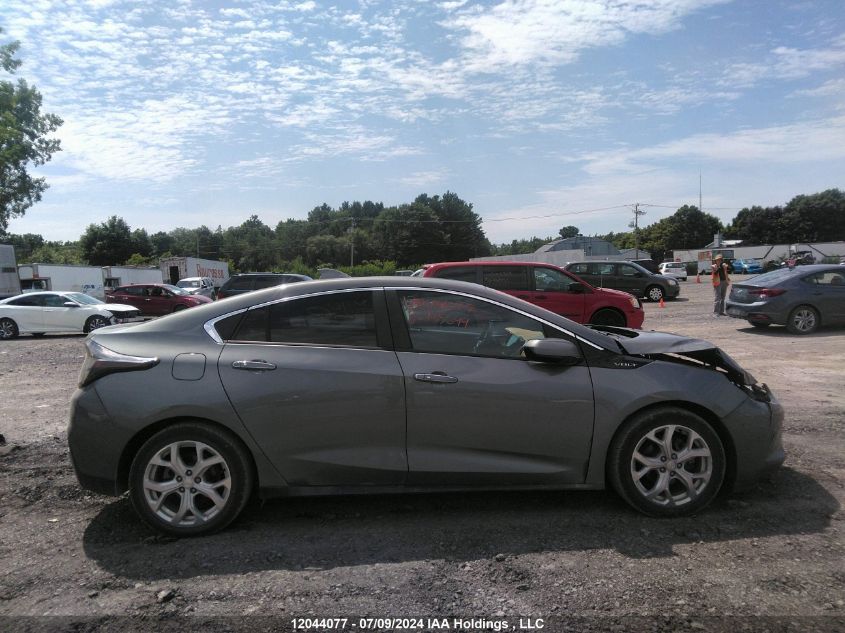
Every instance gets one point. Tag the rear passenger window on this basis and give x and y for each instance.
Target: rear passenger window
(462, 273)
(508, 278)
(344, 318)
(239, 283)
(268, 281)
(601, 269)
(578, 269)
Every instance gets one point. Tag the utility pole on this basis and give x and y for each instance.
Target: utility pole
(636, 225)
(351, 231)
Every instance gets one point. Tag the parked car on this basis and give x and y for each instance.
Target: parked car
(746, 266)
(678, 270)
(549, 287)
(198, 286)
(628, 277)
(247, 282)
(37, 313)
(350, 385)
(157, 299)
(802, 298)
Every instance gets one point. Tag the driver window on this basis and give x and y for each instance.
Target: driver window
(549, 279)
(442, 323)
(627, 271)
(54, 301)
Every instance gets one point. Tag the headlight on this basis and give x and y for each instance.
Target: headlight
(673, 282)
(635, 302)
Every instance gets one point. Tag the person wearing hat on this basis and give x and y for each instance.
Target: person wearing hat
(721, 281)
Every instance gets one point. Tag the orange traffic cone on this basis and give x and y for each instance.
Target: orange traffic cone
(662, 303)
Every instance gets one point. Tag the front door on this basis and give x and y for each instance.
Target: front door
(315, 384)
(478, 412)
(552, 292)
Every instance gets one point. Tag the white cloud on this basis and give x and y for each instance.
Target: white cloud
(424, 178)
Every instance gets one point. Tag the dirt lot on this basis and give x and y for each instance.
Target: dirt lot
(770, 559)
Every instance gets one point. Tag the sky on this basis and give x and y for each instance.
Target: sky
(540, 113)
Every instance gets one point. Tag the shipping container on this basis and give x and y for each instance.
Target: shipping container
(114, 276)
(62, 278)
(175, 268)
(10, 284)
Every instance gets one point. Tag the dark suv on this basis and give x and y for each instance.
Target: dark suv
(626, 276)
(247, 282)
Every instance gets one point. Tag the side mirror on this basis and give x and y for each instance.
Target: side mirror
(552, 350)
(71, 304)
(576, 288)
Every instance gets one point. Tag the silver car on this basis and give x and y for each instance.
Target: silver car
(406, 384)
(198, 286)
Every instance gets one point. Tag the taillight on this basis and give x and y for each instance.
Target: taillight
(767, 292)
(101, 361)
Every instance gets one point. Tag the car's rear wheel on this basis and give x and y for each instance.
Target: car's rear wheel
(606, 316)
(190, 479)
(654, 293)
(667, 462)
(95, 323)
(8, 328)
(803, 320)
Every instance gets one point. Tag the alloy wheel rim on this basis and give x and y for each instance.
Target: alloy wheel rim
(804, 320)
(6, 330)
(671, 466)
(655, 294)
(187, 483)
(98, 322)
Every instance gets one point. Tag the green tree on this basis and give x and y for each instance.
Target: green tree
(108, 243)
(819, 217)
(24, 140)
(757, 225)
(569, 231)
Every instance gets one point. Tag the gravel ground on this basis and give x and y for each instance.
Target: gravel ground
(769, 559)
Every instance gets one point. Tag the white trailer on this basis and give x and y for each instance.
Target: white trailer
(62, 277)
(175, 268)
(10, 283)
(114, 276)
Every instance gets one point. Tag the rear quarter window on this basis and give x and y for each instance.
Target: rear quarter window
(462, 273)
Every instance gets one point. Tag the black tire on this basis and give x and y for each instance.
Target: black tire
(608, 316)
(654, 293)
(8, 329)
(95, 323)
(803, 320)
(204, 516)
(673, 494)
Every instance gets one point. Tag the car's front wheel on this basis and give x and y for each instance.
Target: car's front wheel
(95, 323)
(606, 316)
(190, 479)
(655, 293)
(803, 320)
(667, 462)
(8, 329)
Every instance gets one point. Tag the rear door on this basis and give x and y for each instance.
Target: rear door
(27, 311)
(478, 413)
(827, 290)
(316, 384)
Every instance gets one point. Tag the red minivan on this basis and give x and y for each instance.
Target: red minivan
(549, 287)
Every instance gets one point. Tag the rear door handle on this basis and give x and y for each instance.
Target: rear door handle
(260, 365)
(437, 376)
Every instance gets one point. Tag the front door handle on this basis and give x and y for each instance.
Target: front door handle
(437, 376)
(260, 365)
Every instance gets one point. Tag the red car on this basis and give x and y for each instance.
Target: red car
(549, 287)
(156, 299)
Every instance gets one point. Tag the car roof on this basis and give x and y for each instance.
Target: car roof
(197, 317)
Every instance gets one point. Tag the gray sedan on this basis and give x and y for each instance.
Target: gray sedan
(406, 384)
(802, 298)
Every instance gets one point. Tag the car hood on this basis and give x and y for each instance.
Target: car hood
(621, 294)
(119, 307)
(654, 345)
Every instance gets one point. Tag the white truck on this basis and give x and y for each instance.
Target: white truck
(10, 283)
(114, 276)
(66, 277)
(175, 268)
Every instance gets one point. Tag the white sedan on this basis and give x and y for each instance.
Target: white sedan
(37, 313)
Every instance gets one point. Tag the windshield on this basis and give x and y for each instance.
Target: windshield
(84, 299)
(189, 283)
(176, 290)
(774, 277)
